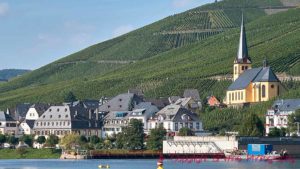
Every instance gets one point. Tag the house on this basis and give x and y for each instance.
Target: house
(212, 101)
(277, 116)
(122, 102)
(33, 113)
(189, 103)
(143, 111)
(193, 93)
(114, 121)
(66, 119)
(8, 125)
(250, 85)
(174, 117)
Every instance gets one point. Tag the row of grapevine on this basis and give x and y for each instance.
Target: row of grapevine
(220, 20)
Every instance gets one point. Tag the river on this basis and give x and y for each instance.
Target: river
(144, 164)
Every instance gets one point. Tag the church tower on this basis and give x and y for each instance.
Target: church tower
(242, 62)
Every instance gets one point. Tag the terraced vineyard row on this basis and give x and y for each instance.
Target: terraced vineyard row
(281, 65)
(219, 19)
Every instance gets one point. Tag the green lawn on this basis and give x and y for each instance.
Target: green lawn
(30, 154)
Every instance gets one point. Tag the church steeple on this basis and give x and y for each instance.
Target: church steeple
(242, 55)
(242, 61)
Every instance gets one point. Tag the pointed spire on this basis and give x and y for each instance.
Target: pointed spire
(242, 55)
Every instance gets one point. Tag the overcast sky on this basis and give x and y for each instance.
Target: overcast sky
(34, 33)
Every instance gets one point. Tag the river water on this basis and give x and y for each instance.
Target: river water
(145, 164)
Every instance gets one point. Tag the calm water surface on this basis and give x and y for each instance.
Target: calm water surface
(142, 164)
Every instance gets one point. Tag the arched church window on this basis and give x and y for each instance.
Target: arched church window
(263, 91)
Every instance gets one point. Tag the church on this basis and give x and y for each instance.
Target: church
(250, 85)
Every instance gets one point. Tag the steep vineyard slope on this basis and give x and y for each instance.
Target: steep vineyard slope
(275, 37)
(173, 32)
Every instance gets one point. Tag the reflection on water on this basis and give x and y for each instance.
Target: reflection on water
(142, 164)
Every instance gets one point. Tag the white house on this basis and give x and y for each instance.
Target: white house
(8, 125)
(33, 113)
(174, 117)
(277, 116)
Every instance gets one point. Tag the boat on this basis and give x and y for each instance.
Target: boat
(256, 152)
(103, 166)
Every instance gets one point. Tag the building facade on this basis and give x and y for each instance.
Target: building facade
(277, 116)
(8, 125)
(174, 117)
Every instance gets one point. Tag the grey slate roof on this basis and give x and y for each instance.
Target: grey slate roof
(122, 102)
(242, 55)
(261, 74)
(159, 103)
(287, 105)
(40, 108)
(175, 112)
(30, 123)
(6, 117)
(193, 93)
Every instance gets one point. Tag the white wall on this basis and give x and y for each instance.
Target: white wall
(32, 114)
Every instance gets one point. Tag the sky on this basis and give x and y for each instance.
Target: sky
(34, 33)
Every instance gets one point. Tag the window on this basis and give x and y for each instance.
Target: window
(197, 125)
(278, 90)
(44, 116)
(236, 98)
(57, 110)
(272, 86)
(50, 110)
(66, 109)
(120, 106)
(120, 100)
(66, 116)
(176, 126)
(235, 70)
(108, 106)
(191, 126)
(50, 116)
(59, 116)
(239, 96)
(232, 95)
(246, 67)
(0, 124)
(263, 91)
(243, 67)
(242, 96)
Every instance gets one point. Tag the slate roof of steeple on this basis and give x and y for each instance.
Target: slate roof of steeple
(242, 55)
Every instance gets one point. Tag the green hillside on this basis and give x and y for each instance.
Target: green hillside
(7, 74)
(178, 52)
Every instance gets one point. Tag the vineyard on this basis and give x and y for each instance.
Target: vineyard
(170, 55)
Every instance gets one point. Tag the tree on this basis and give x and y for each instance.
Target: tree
(252, 126)
(71, 140)
(2, 139)
(41, 139)
(277, 132)
(293, 119)
(52, 140)
(12, 140)
(185, 131)
(27, 139)
(83, 139)
(155, 139)
(70, 97)
(133, 135)
(94, 139)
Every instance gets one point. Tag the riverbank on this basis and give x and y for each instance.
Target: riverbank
(30, 154)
